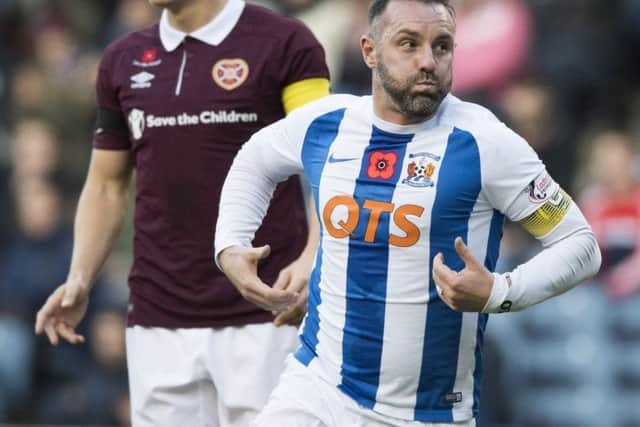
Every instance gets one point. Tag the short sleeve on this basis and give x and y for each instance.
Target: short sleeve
(111, 132)
(514, 178)
(302, 56)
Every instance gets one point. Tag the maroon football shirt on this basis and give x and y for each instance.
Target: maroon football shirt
(187, 112)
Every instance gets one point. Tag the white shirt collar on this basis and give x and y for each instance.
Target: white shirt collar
(415, 128)
(212, 33)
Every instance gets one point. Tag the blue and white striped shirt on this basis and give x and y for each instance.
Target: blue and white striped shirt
(389, 198)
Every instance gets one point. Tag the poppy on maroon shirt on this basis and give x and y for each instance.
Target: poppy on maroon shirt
(183, 115)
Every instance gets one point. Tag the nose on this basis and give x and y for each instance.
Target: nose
(426, 61)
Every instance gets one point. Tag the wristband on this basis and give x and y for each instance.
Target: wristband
(497, 300)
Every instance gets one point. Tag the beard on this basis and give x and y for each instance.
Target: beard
(412, 104)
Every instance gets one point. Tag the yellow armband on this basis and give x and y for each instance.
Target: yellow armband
(543, 220)
(299, 93)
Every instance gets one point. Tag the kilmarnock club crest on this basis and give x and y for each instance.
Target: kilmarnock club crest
(421, 169)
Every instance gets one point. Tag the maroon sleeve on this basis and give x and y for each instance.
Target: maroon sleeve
(303, 56)
(111, 131)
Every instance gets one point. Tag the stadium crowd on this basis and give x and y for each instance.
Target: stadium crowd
(562, 73)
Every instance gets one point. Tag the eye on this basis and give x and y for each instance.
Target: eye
(407, 44)
(442, 47)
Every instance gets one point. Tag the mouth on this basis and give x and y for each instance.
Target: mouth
(425, 88)
(425, 84)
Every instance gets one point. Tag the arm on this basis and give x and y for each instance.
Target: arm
(99, 218)
(265, 160)
(515, 182)
(570, 255)
(295, 276)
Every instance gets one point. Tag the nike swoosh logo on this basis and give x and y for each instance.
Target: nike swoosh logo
(336, 160)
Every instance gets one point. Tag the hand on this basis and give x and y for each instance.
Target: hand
(295, 278)
(62, 312)
(240, 265)
(467, 289)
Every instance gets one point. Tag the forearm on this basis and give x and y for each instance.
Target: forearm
(249, 185)
(99, 218)
(313, 238)
(570, 256)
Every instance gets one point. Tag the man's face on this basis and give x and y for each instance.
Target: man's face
(414, 44)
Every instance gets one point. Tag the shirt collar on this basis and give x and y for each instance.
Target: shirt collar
(430, 123)
(212, 33)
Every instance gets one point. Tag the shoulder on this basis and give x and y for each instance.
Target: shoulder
(323, 106)
(147, 38)
(263, 21)
(329, 109)
(489, 132)
(470, 117)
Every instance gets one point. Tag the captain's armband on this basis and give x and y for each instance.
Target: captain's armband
(549, 214)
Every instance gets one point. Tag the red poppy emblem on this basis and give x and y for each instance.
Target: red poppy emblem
(382, 165)
(149, 55)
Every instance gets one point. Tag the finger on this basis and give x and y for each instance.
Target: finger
(262, 252)
(268, 298)
(295, 314)
(464, 253)
(281, 283)
(281, 300)
(40, 319)
(50, 330)
(299, 284)
(441, 272)
(283, 279)
(292, 317)
(70, 295)
(445, 298)
(45, 313)
(67, 332)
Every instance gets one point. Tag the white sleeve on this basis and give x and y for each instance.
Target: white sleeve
(516, 183)
(267, 158)
(570, 255)
(509, 166)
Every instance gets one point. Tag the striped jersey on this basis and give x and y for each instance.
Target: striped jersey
(389, 198)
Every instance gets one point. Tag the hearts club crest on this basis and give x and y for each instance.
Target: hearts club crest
(230, 73)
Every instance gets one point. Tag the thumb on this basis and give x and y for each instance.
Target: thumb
(263, 251)
(464, 253)
(70, 295)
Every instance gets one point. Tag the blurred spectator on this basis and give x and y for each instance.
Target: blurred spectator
(352, 75)
(132, 15)
(493, 38)
(99, 395)
(28, 89)
(38, 254)
(40, 250)
(35, 150)
(613, 209)
(530, 110)
(338, 25)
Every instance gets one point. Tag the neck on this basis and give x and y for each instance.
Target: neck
(188, 16)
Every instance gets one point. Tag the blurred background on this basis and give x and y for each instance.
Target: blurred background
(562, 73)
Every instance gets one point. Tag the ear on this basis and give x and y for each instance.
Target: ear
(368, 47)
